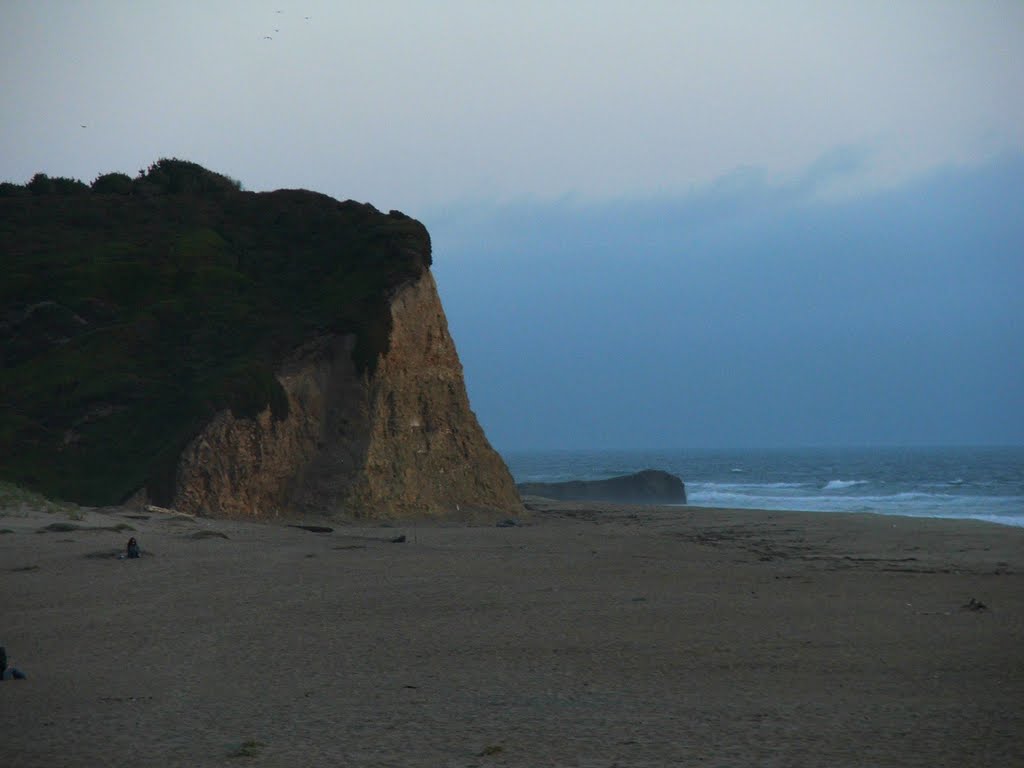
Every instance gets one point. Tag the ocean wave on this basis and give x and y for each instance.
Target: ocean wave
(720, 497)
(911, 502)
(838, 485)
(747, 486)
(955, 483)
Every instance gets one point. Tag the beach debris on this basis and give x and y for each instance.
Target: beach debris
(164, 510)
(508, 523)
(398, 539)
(974, 605)
(313, 528)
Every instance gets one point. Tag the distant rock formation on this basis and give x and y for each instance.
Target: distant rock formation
(651, 486)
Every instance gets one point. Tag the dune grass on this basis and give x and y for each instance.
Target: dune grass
(16, 501)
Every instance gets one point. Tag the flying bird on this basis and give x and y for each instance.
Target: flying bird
(267, 37)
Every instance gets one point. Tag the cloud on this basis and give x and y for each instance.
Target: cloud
(747, 313)
(412, 106)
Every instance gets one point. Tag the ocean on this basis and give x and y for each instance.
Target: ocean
(974, 483)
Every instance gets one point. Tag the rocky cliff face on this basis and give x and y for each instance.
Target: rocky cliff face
(396, 440)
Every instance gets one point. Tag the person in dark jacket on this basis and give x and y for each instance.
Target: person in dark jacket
(8, 673)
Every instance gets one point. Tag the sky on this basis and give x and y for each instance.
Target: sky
(655, 224)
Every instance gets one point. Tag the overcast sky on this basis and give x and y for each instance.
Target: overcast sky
(656, 224)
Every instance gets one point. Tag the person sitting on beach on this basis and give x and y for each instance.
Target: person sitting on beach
(132, 550)
(8, 673)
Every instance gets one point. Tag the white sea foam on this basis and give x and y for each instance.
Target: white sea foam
(751, 487)
(838, 485)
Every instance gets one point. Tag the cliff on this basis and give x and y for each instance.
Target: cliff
(231, 353)
(402, 442)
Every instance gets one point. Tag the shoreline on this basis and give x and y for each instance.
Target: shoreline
(939, 481)
(987, 520)
(587, 635)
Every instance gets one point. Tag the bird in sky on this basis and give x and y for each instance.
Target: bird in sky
(267, 37)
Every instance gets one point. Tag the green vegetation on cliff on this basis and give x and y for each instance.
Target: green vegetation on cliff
(132, 310)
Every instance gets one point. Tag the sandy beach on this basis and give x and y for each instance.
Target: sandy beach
(588, 635)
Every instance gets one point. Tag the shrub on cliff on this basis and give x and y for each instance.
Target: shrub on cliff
(8, 189)
(112, 184)
(41, 184)
(126, 321)
(181, 177)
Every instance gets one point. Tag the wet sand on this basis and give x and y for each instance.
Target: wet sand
(590, 635)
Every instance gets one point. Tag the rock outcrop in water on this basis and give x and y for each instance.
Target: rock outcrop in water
(650, 486)
(231, 353)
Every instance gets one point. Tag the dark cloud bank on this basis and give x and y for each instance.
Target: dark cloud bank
(746, 314)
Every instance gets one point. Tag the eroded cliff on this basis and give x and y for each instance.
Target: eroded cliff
(231, 353)
(401, 441)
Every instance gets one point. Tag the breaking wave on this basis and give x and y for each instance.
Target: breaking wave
(838, 485)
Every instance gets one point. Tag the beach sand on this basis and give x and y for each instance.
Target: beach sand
(590, 635)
